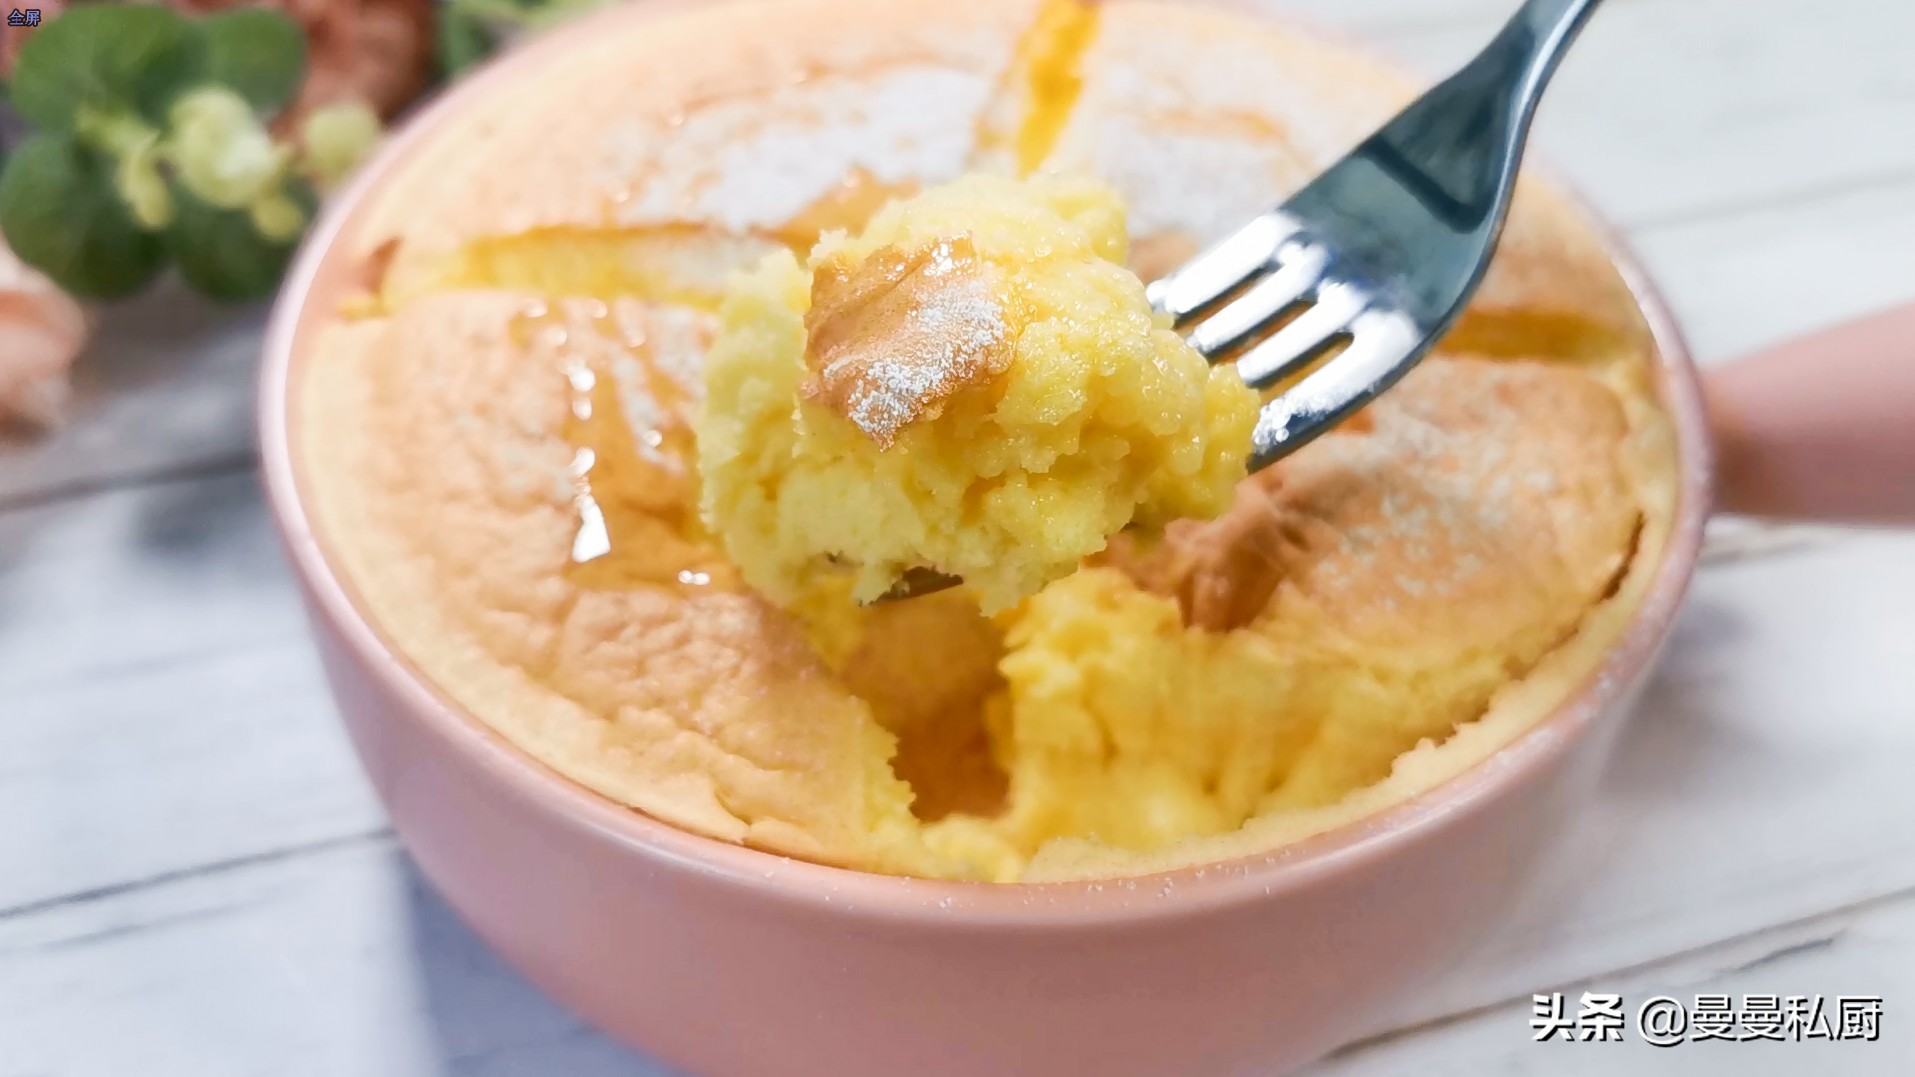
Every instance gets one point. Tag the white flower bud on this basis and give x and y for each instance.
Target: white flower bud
(277, 217)
(336, 137)
(221, 151)
(136, 176)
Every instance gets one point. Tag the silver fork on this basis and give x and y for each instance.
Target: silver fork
(1378, 255)
(1381, 252)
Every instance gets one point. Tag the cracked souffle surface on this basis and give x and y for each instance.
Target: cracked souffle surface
(499, 438)
(973, 386)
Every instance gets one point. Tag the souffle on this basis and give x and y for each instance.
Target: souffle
(973, 387)
(671, 355)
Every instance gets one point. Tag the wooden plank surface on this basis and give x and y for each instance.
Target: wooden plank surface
(1763, 780)
(338, 962)
(1672, 111)
(163, 705)
(165, 388)
(1742, 282)
(197, 881)
(1858, 951)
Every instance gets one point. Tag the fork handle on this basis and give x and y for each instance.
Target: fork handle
(1460, 137)
(1821, 428)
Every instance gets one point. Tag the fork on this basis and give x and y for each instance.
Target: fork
(1377, 256)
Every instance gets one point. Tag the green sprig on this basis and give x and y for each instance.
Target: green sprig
(108, 57)
(259, 53)
(222, 253)
(152, 146)
(471, 30)
(61, 214)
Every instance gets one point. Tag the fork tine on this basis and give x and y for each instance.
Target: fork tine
(1384, 345)
(1295, 344)
(1214, 273)
(1300, 266)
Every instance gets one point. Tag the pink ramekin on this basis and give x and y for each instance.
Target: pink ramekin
(724, 960)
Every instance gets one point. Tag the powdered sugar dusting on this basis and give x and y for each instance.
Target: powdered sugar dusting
(1201, 121)
(757, 162)
(955, 328)
(892, 338)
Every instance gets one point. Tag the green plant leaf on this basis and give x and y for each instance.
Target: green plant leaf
(464, 39)
(61, 215)
(109, 57)
(258, 52)
(550, 13)
(221, 254)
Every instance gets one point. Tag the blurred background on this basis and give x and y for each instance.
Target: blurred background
(195, 878)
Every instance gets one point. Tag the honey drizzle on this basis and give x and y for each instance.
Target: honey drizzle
(1041, 87)
(635, 490)
(848, 207)
(681, 263)
(592, 540)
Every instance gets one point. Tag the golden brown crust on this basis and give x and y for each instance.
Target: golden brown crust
(893, 335)
(739, 114)
(1488, 498)
(438, 442)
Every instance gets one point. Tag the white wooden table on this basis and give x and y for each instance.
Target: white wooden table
(196, 881)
